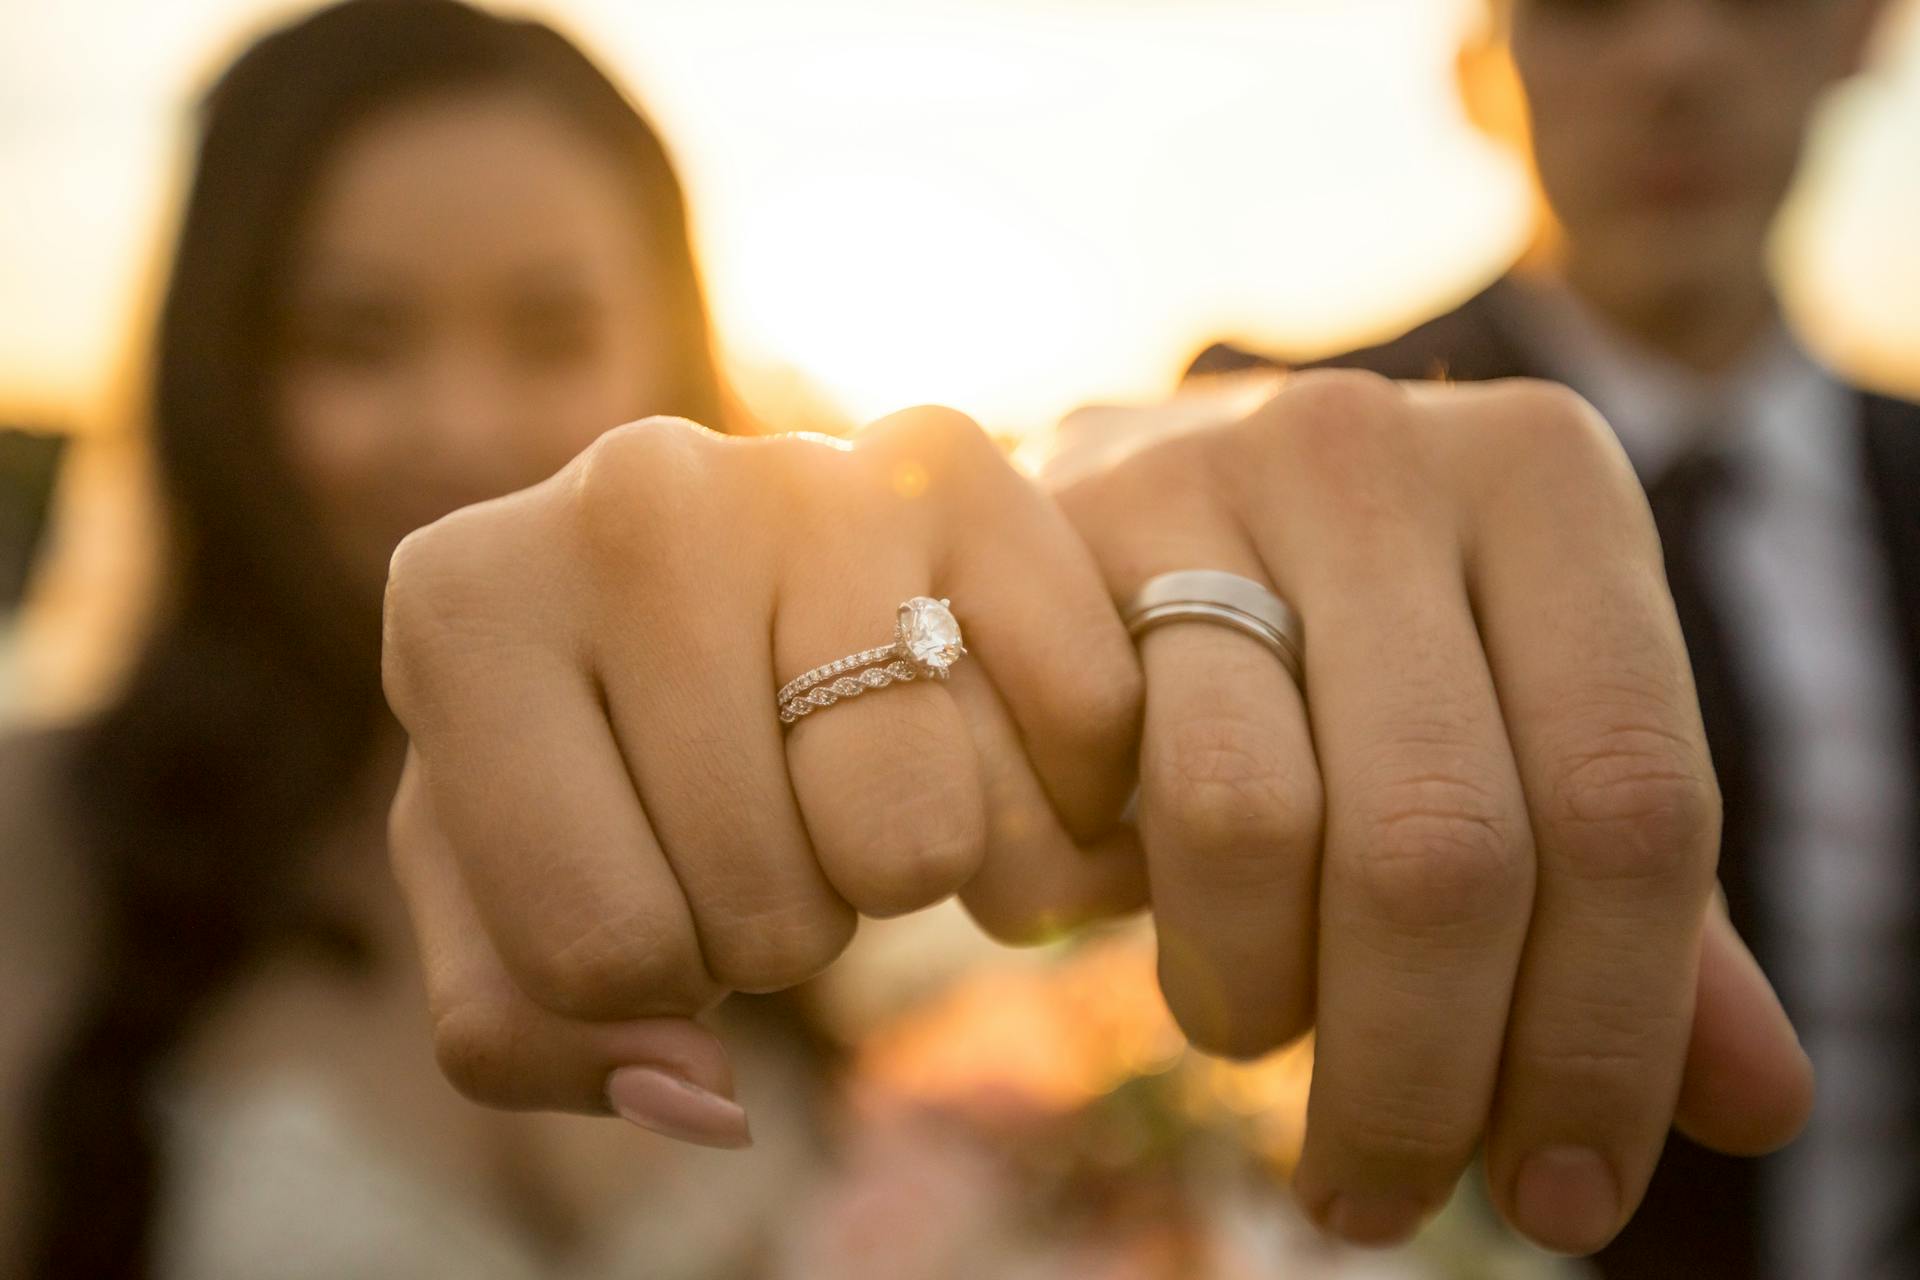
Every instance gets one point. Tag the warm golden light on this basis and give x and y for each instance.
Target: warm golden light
(1008, 205)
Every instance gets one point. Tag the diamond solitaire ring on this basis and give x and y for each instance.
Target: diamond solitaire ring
(926, 644)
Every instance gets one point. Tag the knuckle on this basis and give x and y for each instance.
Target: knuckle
(1331, 412)
(933, 429)
(1344, 440)
(400, 607)
(1443, 854)
(916, 871)
(1637, 807)
(1415, 1127)
(1547, 437)
(932, 451)
(1557, 411)
(474, 1045)
(1595, 1071)
(1225, 785)
(440, 596)
(778, 950)
(617, 968)
(637, 491)
(1354, 394)
(911, 848)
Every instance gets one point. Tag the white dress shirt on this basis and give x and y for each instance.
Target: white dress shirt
(1803, 584)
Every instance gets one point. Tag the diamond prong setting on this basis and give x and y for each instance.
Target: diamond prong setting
(930, 635)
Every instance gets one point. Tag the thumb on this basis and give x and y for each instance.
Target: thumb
(1748, 1086)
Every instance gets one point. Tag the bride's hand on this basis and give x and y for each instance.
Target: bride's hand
(1478, 857)
(603, 827)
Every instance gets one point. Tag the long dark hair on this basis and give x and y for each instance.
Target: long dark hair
(254, 703)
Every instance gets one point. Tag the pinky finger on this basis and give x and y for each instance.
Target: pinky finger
(499, 1048)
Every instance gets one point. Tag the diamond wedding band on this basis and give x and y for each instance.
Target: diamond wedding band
(1211, 595)
(925, 646)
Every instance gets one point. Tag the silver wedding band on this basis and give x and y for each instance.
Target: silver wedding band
(1213, 595)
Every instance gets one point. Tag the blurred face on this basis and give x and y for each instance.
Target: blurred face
(468, 308)
(1666, 132)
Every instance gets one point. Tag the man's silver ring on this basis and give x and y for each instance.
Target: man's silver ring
(926, 644)
(1212, 595)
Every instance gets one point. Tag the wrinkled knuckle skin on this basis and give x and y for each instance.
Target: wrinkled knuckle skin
(1596, 1073)
(1443, 859)
(916, 871)
(1413, 1132)
(763, 958)
(474, 1046)
(614, 970)
(1638, 810)
(910, 850)
(1226, 788)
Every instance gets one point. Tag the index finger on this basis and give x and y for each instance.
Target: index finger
(527, 780)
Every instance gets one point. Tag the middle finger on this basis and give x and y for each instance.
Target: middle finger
(1427, 872)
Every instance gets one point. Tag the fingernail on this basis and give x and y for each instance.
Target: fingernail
(674, 1106)
(1566, 1199)
(1374, 1220)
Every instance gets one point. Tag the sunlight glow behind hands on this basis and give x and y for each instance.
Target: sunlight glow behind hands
(1012, 206)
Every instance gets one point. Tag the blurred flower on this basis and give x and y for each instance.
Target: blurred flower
(1039, 1116)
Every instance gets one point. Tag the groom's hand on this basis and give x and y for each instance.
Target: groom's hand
(1478, 856)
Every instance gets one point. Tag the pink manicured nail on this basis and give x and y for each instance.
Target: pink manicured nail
(1566, 1199)
(1374, 1220)
(655, 1098)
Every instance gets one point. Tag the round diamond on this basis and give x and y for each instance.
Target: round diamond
(931, 635)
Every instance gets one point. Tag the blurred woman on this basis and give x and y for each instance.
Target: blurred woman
(427, 255)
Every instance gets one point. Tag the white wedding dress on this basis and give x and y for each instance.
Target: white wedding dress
(277, 1181)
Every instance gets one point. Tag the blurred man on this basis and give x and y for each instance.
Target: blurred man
(1666, 134)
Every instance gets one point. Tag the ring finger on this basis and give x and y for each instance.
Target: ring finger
(1230, 807)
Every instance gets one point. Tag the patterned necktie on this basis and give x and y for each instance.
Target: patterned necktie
(1685, 499)
(1702, 1212)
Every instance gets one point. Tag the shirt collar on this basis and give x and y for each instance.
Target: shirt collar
(1778, 406)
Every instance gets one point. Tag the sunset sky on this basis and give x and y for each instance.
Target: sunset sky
(1009, 205)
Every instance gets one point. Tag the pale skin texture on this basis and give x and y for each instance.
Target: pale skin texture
(1666, 134)
(1483, 870)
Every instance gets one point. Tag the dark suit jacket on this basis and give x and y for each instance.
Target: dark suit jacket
(1698, 1219)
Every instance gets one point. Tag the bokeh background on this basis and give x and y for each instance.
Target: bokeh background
(1010, 206)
